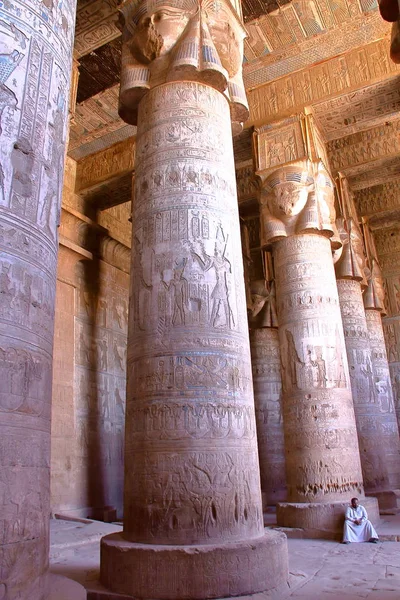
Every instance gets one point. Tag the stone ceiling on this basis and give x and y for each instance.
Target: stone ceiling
(328, 55)
(281, 40)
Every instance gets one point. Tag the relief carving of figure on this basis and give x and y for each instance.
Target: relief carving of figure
(221, 312)
(320, 364)
(292, 363)
(143, 294)
(181, 40)
(179, 288)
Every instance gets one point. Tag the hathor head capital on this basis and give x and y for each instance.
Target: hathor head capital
(195, 40)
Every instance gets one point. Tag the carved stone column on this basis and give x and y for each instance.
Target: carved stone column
(193, 525)
(377, 430)
(388, 459)
(36, 52)
(267, 381)
(322, 458)
(388, 251)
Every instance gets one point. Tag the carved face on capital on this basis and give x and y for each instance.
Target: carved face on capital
(378, 281)
(157, 31)
(357, 243)
(288, 199)
(157, 27)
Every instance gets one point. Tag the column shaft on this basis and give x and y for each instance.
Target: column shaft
(384, 393)
(36, 46)
(377, 430)
(266, 364)
(318, 411)
(189, 390)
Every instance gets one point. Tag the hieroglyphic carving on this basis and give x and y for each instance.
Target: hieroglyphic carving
(380, 365)
(347, 153)
(387, 241)
(97, 125)
(248, 187)
(173, 420)
(379, 198)
(194, 493)
(392, 293)
(280, 144)
(316, 83)
(189, 375)
(375, 172)
(364, 108)
(35, 48)
(274, 58)
(265, 355)
(316, 386)
(95, 25)
(112, 162)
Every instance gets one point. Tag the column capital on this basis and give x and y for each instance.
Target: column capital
(297, 198)
(180, 40)
(351, 264)
(263, 311)
(263, 298)
(297, 193)
(374, 295)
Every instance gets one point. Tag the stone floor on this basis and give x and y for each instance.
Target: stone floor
(319, 570)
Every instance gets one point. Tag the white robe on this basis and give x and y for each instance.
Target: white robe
(358, 533)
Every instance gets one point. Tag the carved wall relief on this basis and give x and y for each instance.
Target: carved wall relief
(101, 325)
(288, 94)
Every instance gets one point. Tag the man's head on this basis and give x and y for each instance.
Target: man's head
(354, 502)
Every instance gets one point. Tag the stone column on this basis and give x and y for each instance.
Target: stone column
(388, 252)
(322, 458)
(193, 525)
(387, 454)
(266, 366)
(377, 430)
(35, 47)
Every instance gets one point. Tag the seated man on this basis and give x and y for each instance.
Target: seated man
(357, 528)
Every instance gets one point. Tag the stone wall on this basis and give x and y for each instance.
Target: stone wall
(90, 355)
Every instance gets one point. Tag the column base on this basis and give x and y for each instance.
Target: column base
(387, 499)
(242, 568)
(62, 588)
(321, 519)
(271, 499)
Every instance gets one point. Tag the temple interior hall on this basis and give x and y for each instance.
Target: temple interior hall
(199, 298)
